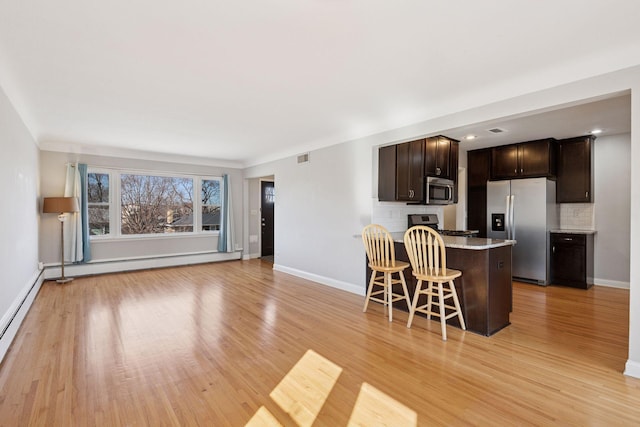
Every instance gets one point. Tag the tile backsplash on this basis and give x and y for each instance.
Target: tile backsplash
(393, 216)
(578, 216)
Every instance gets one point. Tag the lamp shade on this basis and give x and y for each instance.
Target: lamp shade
(60, 205)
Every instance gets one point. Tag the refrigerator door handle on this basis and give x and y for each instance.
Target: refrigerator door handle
(507, 216)
(512, 224)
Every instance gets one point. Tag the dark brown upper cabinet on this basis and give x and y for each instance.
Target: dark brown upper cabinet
(524, 160)
(440, 156)
(387, 173)
(401, 172)
(575, 165)
(453, 167)
(410, 171)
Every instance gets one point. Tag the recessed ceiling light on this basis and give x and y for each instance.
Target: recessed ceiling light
(470, 137)
(596, 131)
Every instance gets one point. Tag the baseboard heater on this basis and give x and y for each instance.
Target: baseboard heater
(13, 315)
(140, 263)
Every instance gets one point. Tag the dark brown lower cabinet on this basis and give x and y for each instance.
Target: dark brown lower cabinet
(572, 260)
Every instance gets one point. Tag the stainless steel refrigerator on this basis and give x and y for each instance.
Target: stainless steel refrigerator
(524, 210)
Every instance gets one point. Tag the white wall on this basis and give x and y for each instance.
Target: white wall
(53, 167)
(19, 219)
(612, 210)
(320, 206)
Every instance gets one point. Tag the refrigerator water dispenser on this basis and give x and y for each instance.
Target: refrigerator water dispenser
(497, 222)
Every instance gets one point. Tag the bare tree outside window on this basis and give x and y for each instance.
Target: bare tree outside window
(210, 204)
(98, 203)
(155, 204)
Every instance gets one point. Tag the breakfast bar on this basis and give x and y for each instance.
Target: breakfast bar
(484, 289)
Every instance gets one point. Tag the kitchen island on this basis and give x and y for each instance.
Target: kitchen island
(484, 289)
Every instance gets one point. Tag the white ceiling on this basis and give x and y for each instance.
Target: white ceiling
(612, 116)
(245, 81)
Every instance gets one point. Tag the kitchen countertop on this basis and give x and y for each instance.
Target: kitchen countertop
(473, 243)
(573, 231)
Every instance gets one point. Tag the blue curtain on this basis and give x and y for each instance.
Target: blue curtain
(84, 213)
(225, 238)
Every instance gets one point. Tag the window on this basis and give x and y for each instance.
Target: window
(210, 218)
(155, 204)
(98, 203)
(134, 204)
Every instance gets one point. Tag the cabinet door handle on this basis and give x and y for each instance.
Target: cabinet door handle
(515, 171)
(521, 170)
(553, 249)
(438, 171)
(586, 194)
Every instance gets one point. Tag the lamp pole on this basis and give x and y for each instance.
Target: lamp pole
(62, 217)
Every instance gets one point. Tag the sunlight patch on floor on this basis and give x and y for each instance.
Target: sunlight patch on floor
(375, 408)
(303, 391)
(263, 418)
(306, 387)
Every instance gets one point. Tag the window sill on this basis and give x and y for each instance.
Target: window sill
(141, 237)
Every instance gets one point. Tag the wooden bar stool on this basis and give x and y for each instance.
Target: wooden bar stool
(429, 263)
(382, 261)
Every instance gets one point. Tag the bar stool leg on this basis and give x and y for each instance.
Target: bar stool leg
(412, 310)
(406, 291)
(443, 320)
(429, 301)
(366, 300)
(389, 289)
(456, 302)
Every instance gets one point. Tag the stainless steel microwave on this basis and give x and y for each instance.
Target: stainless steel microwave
(439, 191)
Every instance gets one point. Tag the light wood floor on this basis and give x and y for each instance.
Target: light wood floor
(206, 345)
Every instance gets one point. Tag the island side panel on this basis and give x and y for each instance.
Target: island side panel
(472, 286)
(500, 288)
(485, 287)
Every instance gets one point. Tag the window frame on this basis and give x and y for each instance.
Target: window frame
(115, 218)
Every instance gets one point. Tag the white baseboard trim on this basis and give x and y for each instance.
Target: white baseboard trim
(12, 319)
(612, 283)
(247, 257)
(632, 369)
(115, 266)
(338, 284)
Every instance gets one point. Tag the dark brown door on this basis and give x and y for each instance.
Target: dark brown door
(267, 207)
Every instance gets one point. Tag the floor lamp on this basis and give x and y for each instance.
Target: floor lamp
(61, 206)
